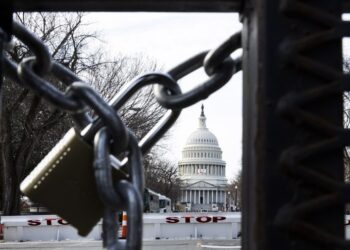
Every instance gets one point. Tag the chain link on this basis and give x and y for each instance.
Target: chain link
(113, 197)
(107, 132)
(218, 65)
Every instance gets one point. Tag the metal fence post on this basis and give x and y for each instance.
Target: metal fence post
(5, 31)
(293, 136)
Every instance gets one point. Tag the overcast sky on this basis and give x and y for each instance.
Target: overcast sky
(170, 38)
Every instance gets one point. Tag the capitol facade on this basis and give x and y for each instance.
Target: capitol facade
(202, 171)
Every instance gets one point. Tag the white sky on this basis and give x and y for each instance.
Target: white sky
(171, 38)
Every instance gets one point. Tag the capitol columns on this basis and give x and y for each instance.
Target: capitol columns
(225, 202)
(195, 196)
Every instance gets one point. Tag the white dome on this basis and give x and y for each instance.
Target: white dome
(202, 146)
(202, 136)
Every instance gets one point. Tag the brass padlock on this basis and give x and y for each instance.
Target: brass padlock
(64, 182)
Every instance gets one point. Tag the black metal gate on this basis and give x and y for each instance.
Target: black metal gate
(293, 175)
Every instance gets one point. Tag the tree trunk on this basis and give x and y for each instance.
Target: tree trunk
(9, 176)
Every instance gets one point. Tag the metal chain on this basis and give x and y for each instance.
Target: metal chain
(107, 132)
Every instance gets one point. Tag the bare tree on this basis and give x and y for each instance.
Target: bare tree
(142, 110)
(235, 189)
(30, 127)
(346, 105)
(26, 118)
(162, 176)
(347, 165)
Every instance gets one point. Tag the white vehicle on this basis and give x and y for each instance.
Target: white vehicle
(214, 208)
(164, 204)
(155, 202)
(188, 207)
(150, 201)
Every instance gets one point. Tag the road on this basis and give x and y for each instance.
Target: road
(147, 245)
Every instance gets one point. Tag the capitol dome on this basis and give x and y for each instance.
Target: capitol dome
(202, 171)
(202, 145)
(202, 136)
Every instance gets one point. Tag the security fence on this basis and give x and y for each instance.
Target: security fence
(294, 194)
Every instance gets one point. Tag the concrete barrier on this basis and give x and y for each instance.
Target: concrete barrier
(192, 226)
(43, 228)
(173, 226)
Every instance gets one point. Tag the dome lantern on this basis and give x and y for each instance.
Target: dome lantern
(202, 135)
(202, 119)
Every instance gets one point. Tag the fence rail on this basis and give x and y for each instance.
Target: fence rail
(131, 5)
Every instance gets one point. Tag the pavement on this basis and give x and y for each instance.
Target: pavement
(147, 245)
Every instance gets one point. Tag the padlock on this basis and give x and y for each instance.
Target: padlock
(64, 182)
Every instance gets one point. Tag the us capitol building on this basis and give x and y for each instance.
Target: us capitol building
(202, 171)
